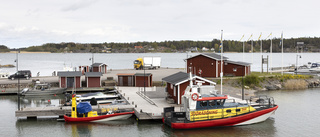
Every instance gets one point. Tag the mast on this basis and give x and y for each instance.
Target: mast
(221, 74)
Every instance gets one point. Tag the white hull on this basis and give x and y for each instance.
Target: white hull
(257, 119)
(120, 117)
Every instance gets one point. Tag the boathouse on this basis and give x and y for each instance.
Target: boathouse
(93, 79)
(99, 67)
(126, 79)
(143, 79)
(69, 79)
(178, 82)
(209, 65)
(236, 68)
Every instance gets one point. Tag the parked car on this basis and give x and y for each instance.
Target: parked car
(21, 74)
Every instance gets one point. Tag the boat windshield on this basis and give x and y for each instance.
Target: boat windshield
(314, 65)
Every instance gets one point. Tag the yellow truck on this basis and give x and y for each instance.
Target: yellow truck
(147, 62)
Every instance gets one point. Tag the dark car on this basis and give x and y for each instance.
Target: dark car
(21, 74)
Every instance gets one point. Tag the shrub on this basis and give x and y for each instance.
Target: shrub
(252, 80)
(295, 84)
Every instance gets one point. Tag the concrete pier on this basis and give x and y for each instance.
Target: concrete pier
(147, 104)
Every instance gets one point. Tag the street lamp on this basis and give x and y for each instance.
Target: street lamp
(297, 63)
(242, 84)
(18, 51)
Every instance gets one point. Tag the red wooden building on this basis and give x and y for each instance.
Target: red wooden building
(143, 79)
(69, 79)
(93, 79)
(178, 82)
(209, 65)
(126, 79)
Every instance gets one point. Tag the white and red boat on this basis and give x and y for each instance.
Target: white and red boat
(203, 109)
(83, 113)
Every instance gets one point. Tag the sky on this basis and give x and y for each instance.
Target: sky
(25, 23)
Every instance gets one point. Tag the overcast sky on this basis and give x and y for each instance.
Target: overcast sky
(25, 23)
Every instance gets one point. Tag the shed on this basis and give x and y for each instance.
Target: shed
(84, 69)
(178, 82)
(209, 65)
(126, 79)
(99, 67)
(67, 79)
(143, 79)
(236, 68)
(93, 79)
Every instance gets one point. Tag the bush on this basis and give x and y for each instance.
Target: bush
(252, 80)
(295, 84)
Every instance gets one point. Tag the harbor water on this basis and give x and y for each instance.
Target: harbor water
(47, 63)
(297, 115)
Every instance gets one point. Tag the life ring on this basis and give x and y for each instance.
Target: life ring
(200, 71)
(194, 96)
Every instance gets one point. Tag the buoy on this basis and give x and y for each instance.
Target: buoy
(54, 94)
(48, 100)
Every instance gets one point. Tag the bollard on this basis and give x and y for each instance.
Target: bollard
(128, 98)
(135, 106)
(124, 94)
(132, 102)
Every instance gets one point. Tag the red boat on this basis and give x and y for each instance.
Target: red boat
(83, 113)
(204, 109)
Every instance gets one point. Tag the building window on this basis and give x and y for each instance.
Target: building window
(174, 91)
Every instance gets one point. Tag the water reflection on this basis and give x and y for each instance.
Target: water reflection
(266, 128)
(42, 101)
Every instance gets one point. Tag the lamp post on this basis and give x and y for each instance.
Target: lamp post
(242, 84)
(297, 63)
(18, 92)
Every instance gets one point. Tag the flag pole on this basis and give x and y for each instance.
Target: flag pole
(242, 48)
(271, 52)
(282, 53)
(221, 74)
(260, 49)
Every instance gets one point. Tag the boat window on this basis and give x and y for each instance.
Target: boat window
(228, 111)
(212, 103)
(203, 103)
(237, 110)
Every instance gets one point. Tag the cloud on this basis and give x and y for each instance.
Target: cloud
(79, 5)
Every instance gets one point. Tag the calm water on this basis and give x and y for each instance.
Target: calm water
(46, 63)
(298, 115)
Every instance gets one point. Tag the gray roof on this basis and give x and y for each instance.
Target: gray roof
(142, 74)
(97, 64)
(177, 77)
(93, 74)
(212, 56)
(69, 73)
(238, 63)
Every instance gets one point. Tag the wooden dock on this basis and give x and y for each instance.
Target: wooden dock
(145, 108)
(60, 111)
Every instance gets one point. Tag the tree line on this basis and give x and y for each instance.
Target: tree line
(311, 44)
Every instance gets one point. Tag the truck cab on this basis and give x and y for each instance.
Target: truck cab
(138, 63)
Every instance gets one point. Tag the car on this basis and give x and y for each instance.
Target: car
(21, 74)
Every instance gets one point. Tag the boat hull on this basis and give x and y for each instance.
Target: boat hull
(102, 118)
(45, 92)
(250, 118)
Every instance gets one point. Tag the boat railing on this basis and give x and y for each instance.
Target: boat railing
(262, 101)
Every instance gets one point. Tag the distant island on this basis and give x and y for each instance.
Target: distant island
(289, 45)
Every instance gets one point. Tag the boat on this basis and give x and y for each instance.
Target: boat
(315, 68)
(40, 89)
(97, 95)
(203, 109)
(82, 112)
